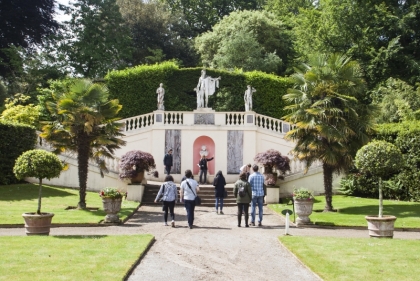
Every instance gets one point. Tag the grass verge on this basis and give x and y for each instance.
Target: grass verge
(70, 257)
(22, 198)
(357, 258)
(351, 211)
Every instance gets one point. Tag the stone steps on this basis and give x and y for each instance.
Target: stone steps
(206, 194)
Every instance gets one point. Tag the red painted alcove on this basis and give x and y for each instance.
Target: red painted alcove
(198, 143)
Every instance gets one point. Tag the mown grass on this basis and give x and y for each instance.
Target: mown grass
(348, 259)
(22, 198)
(351, 211)
(70, 257)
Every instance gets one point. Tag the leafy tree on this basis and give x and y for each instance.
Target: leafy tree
(330, 123)
(201, 15)
(18, 111)
(39, 164)
(95, 39)
(23, 24)
(157, 34)
(252, 40)
(83, 120)
(397, 100)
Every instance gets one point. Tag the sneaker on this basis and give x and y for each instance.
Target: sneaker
(252, 223)
(221, 212)
(247, 225)
(239, 225)
(165, 224)
(173, 224)
(259, 224)
(190, 226)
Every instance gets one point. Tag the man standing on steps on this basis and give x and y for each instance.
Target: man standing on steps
(167, 161)
(203, 168)
(256, 180)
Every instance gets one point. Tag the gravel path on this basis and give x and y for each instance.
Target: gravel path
(215, 249)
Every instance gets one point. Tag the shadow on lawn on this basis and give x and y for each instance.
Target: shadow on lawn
(400, 211)
(28, 191)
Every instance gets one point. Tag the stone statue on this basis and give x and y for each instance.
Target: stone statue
(206, 87)
(248, 98)
(160, 95)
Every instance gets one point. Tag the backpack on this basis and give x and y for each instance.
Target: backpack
(241, 191)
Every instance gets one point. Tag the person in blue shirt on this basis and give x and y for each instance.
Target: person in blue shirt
(256, 180)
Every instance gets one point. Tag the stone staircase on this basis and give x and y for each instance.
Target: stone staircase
(206, 193)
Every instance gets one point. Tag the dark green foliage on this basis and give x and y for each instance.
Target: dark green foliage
(14, 140)
(135, 88)
(404, 185)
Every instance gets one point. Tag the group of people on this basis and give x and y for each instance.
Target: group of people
(248, 189)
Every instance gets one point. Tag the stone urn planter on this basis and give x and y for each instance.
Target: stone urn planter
(381, 227)
(138, 178)
(303, 209)
(37, 224)
(112, 207)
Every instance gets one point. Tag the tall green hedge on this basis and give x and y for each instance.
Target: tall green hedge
(405, 185)
(14, 140)
(136, 89)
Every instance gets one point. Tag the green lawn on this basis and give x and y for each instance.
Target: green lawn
(22, 198)
(351, 211)
(357, 259)
(70, 257)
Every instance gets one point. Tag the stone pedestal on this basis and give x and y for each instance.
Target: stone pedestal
(111, 208)
(273, 195)
(135, 192)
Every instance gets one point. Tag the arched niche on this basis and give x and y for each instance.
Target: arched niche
(210, 147)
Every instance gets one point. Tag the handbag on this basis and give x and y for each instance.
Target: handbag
(197, 199)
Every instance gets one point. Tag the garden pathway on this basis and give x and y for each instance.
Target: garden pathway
(216, 249)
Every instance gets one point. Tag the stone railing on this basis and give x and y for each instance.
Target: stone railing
(271, 124)
(235, 118)
(297, 166)
(138, 122)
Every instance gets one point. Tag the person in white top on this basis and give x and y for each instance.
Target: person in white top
(245, 169)
(188, 192)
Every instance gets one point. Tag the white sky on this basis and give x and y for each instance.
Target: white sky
(59, 16)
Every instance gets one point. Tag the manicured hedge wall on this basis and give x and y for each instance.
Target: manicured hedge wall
(136, 89)
(14, 140)
(405, 185)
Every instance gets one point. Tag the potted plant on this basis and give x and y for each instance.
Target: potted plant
(380, 159)
(111, 200)
(134, 163)
(39, 164)
(303, 201)
(272, 159)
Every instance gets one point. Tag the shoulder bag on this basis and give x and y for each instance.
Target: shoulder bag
(197, 198)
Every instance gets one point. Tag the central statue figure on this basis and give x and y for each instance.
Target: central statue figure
(206, 87)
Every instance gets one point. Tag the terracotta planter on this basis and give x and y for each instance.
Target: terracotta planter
(111, 208)
(303, 209)
(381, 227)
(138, 179)
(37, 224)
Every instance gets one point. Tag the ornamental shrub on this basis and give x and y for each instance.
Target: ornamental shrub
(14, 140)
(273, 159)
(135, 88)
(134, 162)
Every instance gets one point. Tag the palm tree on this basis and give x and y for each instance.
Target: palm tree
(330, 121)
(83, 121)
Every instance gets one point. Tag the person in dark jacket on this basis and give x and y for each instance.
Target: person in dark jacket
(167, 161)
(203, 168)
(243, 201)
(219, 191)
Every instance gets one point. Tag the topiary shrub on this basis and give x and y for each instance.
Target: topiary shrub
(39, 164)
(381, 160)
(134, 162)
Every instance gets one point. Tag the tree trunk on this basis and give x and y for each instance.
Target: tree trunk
(328, 176)
(39, 197)
(83, 149)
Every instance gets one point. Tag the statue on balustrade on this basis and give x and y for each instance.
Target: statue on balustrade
(160, 95)
(248, 98)
(206, 87)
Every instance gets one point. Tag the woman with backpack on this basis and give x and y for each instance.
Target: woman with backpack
(219, 191)
(168, 194)
(243, 195)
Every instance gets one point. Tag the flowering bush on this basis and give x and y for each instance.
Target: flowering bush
(113, 193)
(134, 162)
(273, 158)
(302, 194)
